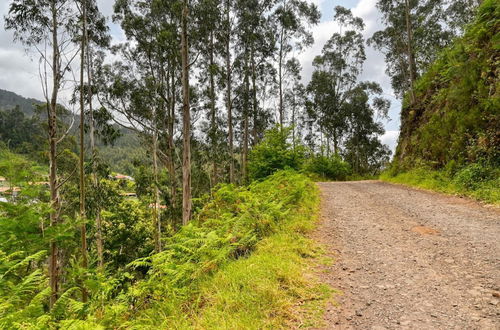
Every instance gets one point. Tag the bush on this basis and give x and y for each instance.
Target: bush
(333, 168)
(233, 224)
(476, 180)
(274, 153)
(472, 176)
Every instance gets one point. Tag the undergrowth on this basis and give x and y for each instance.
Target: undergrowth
(243, 263)
(476, 181)
(240, 265)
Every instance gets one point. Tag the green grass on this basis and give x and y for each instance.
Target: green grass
(244, 262)
(485, 189)
(269, 289)
(274, 287)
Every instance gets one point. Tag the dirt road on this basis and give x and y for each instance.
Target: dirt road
(408, 259)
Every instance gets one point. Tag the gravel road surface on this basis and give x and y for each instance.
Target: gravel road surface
(409, 259)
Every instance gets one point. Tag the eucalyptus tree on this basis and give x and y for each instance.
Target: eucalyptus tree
(83, 42)
(345, 108)
(125, 91)
(45, 26)
(362, 147)
(142, 87)
(335, 75)
(255, 46)
(186, 116)
(227, 38)
(415, 31)
(207, 39)
(97, 39)
(295, 97)
(293, 18)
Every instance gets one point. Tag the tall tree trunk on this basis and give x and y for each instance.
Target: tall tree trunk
(156, 213)
(328, 145)
(93, 150)
(280, 77)
(228, 96)
(335, 142)
(53, 181)
(186, 159)
(82, 148)
(321, 139)
(411, 56)
(255, 105)
(213, 123)
(244, 154)
(246, 108)
(170, 142)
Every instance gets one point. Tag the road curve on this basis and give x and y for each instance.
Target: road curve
(409, 259)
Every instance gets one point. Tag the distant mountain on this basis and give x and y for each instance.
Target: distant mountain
(9, 100)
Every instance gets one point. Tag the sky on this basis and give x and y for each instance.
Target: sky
(19, 69)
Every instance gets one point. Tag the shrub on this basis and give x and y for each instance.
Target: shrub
(471, 176)
(274, 153)
(232, 225)
(333, 168)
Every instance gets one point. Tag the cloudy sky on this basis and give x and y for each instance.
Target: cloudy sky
(19, 71)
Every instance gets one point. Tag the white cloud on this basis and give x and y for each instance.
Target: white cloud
(391, 139)
(18, 73)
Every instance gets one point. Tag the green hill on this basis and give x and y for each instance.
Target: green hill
(24, 134)
(9, 100)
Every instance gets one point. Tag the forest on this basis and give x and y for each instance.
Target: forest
(166, 180)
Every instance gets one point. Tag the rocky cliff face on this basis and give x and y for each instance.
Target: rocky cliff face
(456, 116)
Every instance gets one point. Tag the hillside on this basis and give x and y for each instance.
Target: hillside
(9, 100)
(455, 120)
(450, 136)
(25, 134)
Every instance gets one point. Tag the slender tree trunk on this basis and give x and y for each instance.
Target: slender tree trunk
(156, 213)
(335, 143)
(186, 159)
(53, 181)
(254, 98)
(170, 142)
(328, 146)
(321, 140)
(229, 101)
(95, 180)
(280, 77)
(411, 55)
(213, 123)
(82, 147)
(244, 154)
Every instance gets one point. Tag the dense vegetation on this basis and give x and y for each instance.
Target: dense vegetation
(239, 263)
(449, 136)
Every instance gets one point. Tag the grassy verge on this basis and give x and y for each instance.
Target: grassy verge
(244, 263)
(473, 181)
(274, 286)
